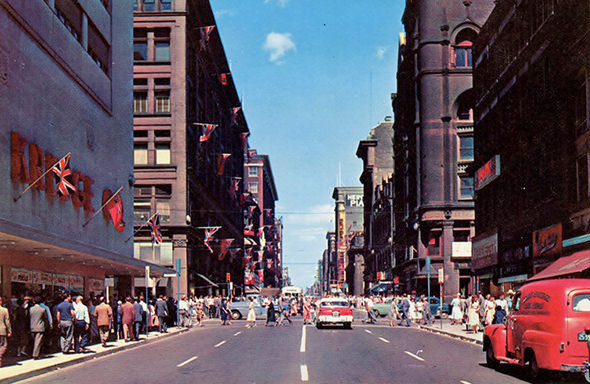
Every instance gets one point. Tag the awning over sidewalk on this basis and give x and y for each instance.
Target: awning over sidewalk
(578, 262)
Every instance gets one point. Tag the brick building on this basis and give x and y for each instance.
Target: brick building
(531, 74)
(181, 82)
(433, 142)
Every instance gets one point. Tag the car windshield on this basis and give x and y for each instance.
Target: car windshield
(334, 304)
(582, 303)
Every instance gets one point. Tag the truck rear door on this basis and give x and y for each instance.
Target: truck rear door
(578, 320)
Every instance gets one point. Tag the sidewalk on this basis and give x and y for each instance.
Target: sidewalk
(455, 331)
(15, 369)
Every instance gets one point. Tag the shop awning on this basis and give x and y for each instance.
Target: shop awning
(578, 262)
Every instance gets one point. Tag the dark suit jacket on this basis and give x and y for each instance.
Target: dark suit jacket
(161, 308)
(138, 311)
(38, 316)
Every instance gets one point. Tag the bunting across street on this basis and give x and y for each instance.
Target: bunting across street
(205, 35)
(234, 115)
(207, 131)
(209, 232)
(221, 159)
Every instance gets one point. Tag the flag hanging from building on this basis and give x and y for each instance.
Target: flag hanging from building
(63, 175)
(221, 159)
(269, 263)
(235, 186)
(225, 244)
(268, 213)
(207, 131)
(247, 258)
(115, 209)
(234, 115)
(244, 139)
(154, 224)
(209, 232)
(260, 254)
(223, 78)
(205, 35)
(261, 231)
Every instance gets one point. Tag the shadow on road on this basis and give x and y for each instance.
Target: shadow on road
(546, 377)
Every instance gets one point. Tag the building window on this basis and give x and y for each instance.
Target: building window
(165, 5)
(163, 208)
(70, 15)
(140, 102)
(252, 171)
(140, 45)
(582, 170)
(253, 187)
(163, 153)
(141, 211)
(149, 5)
(162, 43)
(98, 48)
(163, 102)
(433, 248)
(466, 187)
(463, 48)
(140, 154)
(465, 147)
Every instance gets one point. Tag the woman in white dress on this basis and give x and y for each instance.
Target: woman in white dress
(456, 312)
(474, 314)
(251, 314)
(419, 311)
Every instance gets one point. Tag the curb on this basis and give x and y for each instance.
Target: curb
(82, 359)
(449, 334)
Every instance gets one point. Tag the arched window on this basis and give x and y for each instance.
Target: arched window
(463, 48)
(464, 105)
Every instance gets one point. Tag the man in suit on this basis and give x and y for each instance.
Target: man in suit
(139, 312)
(104, 317)
(39, 325)
(405, 310)
(162, 313)
(127, 318)
(5, 330)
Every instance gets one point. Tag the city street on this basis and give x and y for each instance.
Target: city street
(292, 354)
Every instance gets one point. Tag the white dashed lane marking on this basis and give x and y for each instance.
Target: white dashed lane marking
(464, 382)
(366, 330)
(219, 344)
(303, 337)
(304, 373)
(414, 356)
(237, 333)
(384, 340)
(187, 361)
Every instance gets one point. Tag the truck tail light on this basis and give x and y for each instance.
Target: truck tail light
(562, 347)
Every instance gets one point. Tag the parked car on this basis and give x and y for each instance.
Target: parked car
(435, 308)
(382, 309)
(239, 308)
(334, 311)
(548, 328)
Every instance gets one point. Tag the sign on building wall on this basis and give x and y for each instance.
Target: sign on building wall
(485, 252)
(354, 201)
(488, 173)
(462, 248)
(548, 241)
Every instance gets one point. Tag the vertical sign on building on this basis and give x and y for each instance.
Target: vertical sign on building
(341, 241)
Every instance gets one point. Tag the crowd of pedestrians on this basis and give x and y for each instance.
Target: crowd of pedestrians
(479, 311)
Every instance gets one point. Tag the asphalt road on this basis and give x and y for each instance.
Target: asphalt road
(295, 354)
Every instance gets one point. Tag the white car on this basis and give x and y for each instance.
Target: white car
(333, 311)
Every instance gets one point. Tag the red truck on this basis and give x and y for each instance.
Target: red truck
(548, 328)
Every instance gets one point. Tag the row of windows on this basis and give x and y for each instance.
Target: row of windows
(152, 5)
(72, 17)
(161, 102)
(161, 154)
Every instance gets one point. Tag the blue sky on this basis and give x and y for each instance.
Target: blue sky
(314, 77)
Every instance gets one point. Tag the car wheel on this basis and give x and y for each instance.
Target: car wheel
(375, 313)
(236, 315)
(318, 325)
(491, 360)
(531, 366)
(348, 325)
(445, 315)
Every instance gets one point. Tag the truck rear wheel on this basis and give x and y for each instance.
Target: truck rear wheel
(531, 365)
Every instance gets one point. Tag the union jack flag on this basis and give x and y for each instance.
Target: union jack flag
(223, 78)
(244, 138)
(209, 232)
(221, 158)
(225, 244)
(154, 223)
(205, 35)
(62, 176)
(248, 230)
(116, 211)
(235, 186)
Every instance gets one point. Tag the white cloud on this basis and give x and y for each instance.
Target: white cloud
(282, 3)
(224, 12)
(381, 51)
(278, 44)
